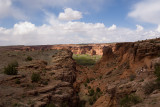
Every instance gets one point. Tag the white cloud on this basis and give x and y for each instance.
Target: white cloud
(158, 28)
(146, 11)
(23, 28)
(113, 27)
(4, 7)
(70, 14)
(7, 9)
(26, 33)
(139, 28)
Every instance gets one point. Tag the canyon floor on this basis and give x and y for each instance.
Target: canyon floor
(102, 75)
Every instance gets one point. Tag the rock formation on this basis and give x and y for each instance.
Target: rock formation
(125, 72)
(55, 86)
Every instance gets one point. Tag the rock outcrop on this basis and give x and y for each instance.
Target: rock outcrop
(125, 72)
(55, 86)
(91, 49)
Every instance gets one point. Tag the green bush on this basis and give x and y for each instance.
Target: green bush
(91, 92)
(11, 69)
(98, 89)
(87, 81)
(129, 100)
(89, 87)
(157, 71)
(92, 100)
(85, 84)
(35, 77)
(29, 58)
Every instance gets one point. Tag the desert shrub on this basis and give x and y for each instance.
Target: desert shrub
(94, 96)
(132, 77)
(91, 79)
(91, 92)
(85, 84)
(17, 81)
(35, 77)
(98, 89)
(82, 103)
(157, 71)
(11, 69)
(89, 87)
(87, 81)
(92, 100)
(29, 58)
(129, 100)
(100, 77)
(50, 105)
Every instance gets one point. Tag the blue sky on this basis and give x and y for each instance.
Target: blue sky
(40, 22)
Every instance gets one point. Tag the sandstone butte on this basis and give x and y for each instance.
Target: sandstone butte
(123, 77)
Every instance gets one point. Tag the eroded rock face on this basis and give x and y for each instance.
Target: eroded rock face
(125, 69)
(91, 49)
(54, 87)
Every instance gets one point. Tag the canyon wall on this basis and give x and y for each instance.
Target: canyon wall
(91, 49)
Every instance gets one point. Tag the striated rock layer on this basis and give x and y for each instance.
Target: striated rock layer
(125, 70)
(91, 49)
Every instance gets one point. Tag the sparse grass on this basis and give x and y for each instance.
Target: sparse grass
(94, 95)
(129, 100)
(35, 77)
(11, 69)
(86, 60)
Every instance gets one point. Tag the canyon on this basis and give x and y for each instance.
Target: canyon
(126, 75)
(91, 49)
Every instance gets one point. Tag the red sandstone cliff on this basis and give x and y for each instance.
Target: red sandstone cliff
(91, 49)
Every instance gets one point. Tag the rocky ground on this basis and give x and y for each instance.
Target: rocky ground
(128, 74)
(53, 88)
(125, 76)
